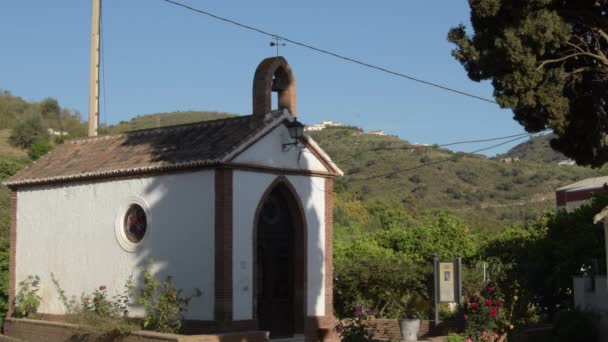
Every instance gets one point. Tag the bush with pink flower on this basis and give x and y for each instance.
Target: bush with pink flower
(486, 319)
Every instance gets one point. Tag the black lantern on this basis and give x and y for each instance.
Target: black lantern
(296, 132)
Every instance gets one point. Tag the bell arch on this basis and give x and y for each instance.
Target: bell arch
(283, 190)
(274, 75)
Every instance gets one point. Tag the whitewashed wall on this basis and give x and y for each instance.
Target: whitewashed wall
(70, 231)
(248, 189)
(268, 151)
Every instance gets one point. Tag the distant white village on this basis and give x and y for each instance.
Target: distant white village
(328, 123)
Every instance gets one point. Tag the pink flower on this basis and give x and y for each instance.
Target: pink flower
(474, 305)
(495, 336)
(484, 335)
(493, 313)
(466, 316)
(497, 303)
(102, 287)
(488, 302)
(468, 340)
(490, 289)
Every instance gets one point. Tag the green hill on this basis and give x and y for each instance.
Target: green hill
(484, 191)
(164, 119)
(536, 149)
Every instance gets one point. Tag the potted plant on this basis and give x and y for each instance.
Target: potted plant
(414, 307)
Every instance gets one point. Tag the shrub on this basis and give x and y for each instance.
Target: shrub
(28, 131)
(97, 313)
(39, 148)
(163, 304)
(27, 300)
(355, 329)
(485, 317)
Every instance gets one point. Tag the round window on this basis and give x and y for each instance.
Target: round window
(135, 223)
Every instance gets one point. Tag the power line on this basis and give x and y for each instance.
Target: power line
(376, 149)
(330, 53)
(438, 161)
(103, 65)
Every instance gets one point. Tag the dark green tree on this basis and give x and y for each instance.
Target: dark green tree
(548, 62)
(29, 131)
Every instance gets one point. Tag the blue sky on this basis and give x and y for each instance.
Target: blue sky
(159, 57)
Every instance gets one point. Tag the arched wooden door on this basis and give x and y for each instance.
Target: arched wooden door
(279, 265)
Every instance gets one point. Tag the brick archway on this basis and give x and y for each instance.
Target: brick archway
(274, 74)
(286, 190)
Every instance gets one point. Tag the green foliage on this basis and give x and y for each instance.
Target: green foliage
(27, 300)
(355, 329)
(378, 278)
(435, 234)
(163, 304)
(547, 61)
(97, 313)
(29, 131)
(536, 263)
(454, 338)
(486, 317)
(39, 148)
(389, 271)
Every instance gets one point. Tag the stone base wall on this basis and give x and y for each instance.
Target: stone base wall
(388, 329)
(37, 330)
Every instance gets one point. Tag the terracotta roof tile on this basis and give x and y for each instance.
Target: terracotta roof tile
(157, 149)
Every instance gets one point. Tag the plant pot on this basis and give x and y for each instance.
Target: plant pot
(409, 329)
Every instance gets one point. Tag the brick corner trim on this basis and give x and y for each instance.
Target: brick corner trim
(223, 245)
(12, 264)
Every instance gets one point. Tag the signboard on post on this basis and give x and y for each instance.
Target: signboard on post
(447, 288)
(448, 283)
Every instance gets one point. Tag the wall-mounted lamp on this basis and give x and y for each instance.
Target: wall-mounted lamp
(296, 132)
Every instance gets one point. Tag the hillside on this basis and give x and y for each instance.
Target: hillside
(536, 149)
(484, 191)
(164, 119)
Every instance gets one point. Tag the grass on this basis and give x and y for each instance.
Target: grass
(8, 150)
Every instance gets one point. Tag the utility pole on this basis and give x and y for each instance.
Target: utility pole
(94, 69)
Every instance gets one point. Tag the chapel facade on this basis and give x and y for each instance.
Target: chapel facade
(234, 207)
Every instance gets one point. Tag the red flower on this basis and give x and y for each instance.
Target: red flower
(497, 304)
(493, 313)
(490, 289)
(474, 305)
(102, 287)
(488, 302)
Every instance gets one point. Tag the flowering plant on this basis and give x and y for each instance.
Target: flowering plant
(485, 317)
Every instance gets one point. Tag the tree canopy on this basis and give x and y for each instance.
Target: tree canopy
(548, 62)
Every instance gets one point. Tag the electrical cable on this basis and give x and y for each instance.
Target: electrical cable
(438, 161)
(330, 53)
(376, 149)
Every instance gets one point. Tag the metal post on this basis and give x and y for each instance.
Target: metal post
(94, 69)
(436, 285)
(459, 280)
(485, 281)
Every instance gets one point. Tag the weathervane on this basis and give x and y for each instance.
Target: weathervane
(277, 43)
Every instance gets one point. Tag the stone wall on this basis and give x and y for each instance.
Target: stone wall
(388, 329)
(37, 330)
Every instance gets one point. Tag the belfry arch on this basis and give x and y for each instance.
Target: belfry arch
(274, 75)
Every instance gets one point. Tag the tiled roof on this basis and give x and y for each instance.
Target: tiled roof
(150, 150)
(585, 184)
